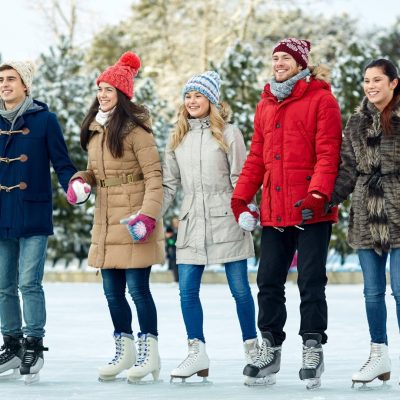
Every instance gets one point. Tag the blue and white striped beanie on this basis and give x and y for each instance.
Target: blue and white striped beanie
(207, 83)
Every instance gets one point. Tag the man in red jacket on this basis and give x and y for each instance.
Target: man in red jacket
(294, 156)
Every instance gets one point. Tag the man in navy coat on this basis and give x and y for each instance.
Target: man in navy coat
(30, 139)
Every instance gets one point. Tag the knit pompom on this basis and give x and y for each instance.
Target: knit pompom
(130, 59)
(137, 231)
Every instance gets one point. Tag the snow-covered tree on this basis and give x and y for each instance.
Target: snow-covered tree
(160, 111)
(64, 86)
(241, 88)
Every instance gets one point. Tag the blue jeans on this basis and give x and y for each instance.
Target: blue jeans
(189, 288)
(137, 280)
(21, 267)
(374, 272)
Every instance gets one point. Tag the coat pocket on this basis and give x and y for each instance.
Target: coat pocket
(224, 228)
(37, 211)
(298, 182)
(182, 235)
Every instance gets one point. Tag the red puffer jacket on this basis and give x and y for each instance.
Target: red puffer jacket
(295, 150)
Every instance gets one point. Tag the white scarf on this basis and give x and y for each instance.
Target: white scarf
(102, 117)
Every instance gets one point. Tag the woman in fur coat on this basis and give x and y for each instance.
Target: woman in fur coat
(370, 170)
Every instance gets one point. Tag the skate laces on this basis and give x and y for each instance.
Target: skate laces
(29, 357)
(193, 353)
(251, 349)
(266, 354)
(142, 351)
(7, 352)
(311, 357)
(118, 351)
(373, 359)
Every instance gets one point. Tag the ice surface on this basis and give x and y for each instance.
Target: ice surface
(79, 335)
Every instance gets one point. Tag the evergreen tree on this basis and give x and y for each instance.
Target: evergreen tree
(348, 72)
(162, 126)
(240, 87)
(388, 43)
(62, 84)
(161, 114)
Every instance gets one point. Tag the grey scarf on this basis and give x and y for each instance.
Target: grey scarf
(281, 90)
(13, 114)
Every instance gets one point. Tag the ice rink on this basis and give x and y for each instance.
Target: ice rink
(79, 335)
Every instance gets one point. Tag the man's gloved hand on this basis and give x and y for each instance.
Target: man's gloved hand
(246, 215)
(78, 191)
(140, 226)
(313, 205)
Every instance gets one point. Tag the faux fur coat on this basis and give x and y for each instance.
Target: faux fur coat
(370, 169)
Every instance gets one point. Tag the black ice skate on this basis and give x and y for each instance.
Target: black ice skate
(32, 361)
(268, 362)
(313, 360)
(10, 358)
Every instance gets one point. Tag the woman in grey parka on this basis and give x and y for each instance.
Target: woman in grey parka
(204, 157)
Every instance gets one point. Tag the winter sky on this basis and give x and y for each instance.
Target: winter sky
(25, 34)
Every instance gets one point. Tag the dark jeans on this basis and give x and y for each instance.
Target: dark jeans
(137, 280)
(277, 251)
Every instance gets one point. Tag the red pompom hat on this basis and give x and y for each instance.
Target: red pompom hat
(121, 74)
(299, 49)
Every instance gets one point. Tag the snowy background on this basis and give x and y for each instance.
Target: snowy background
(79, 335)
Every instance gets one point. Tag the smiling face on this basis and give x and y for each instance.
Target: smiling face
(378, 88)
(12, 89)
(107, 96)
(284, 66)
(197, 105)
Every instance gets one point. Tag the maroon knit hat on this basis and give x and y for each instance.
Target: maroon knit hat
(121, 74)
(297, 48)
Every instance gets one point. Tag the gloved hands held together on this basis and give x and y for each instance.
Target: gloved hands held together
(78, 191)
(246, 215)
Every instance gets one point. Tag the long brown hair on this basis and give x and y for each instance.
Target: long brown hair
(126, 112)
(219, 116)
(390, 70)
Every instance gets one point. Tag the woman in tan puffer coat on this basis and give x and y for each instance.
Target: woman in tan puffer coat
(124, 165)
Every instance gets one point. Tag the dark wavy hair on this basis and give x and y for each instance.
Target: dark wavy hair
(390, 70)
(126, 112)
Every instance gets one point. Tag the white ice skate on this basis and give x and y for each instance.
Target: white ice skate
(32, 360)
(10, 358)
(313, 360)
(251, 349)
(148, 361)
(262, 372)
(197, 362)
(125, 357)
(377, 366)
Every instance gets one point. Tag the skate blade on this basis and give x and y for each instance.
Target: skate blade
(11, 377)
(313, 383)
(184, 382)
(30, 379)
(140, 381)
(264, 381)
(110, 379)
(367, 388)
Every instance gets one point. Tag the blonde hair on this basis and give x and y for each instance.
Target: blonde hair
(219, 117)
